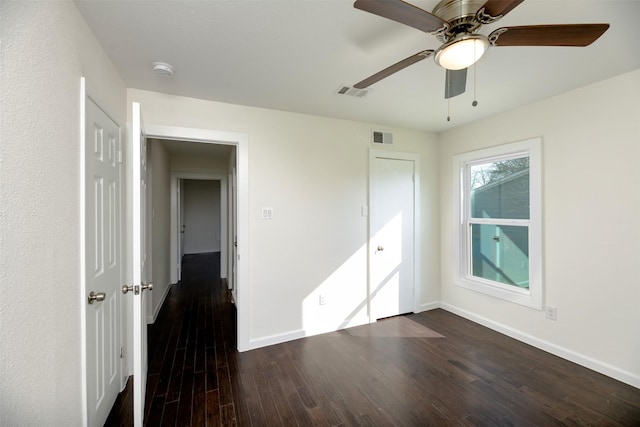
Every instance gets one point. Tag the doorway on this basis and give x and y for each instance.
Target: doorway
(237, 190)
(136, 317)
(201, 212)
(200, 218)
(393, 233)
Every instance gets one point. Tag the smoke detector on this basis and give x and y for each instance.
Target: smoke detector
(163, 69)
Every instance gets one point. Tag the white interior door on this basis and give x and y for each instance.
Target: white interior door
(392, 236)
(103, 262)
(234, 233)
(181, 226)
(139, 258)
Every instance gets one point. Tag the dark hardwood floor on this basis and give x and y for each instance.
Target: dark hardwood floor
(432, 368)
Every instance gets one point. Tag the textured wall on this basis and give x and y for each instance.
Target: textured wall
(160, 184)
(46, 47)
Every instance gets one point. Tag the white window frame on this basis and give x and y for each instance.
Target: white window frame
(532, 148)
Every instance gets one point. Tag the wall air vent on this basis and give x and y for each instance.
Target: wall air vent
(381, 138)
(351, 91)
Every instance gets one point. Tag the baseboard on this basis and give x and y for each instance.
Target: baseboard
(276, 339)
(570, 355)
(301, 333)
(151, 317)
(428, 306)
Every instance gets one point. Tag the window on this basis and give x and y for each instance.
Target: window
(498, 234)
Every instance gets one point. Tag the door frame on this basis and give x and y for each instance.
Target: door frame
(176, 213)
(241, 142)
(84, 96)
(376, 153)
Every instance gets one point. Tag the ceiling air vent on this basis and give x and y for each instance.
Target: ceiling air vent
(384, 138)
(351, 91)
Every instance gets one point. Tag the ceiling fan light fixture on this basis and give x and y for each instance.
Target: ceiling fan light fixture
(462, 51)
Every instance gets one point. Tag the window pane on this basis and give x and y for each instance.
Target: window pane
(500, 189)
(501, 253)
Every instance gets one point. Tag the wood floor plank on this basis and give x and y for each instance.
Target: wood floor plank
(227, 415)
(249, 409)
(212, 408)
(164, 375)
(155, 412)
(199, 411)
(185, 405)
(175, 381)
(211, 369)
(152, 381)
(224, 386)
(170, 414)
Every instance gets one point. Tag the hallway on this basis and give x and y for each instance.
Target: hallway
(188, 380)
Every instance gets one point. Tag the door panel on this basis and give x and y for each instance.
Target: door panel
(234, 234)
(139, 257)
(181, 226)
(103, 272)
(392, 237)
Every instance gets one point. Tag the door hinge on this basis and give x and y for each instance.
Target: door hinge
(119, 156)
(121, 352)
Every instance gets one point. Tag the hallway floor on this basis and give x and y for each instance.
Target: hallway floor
(188, 380)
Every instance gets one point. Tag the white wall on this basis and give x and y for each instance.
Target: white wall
(46, 48)
(199, 164)
(313, 172)
(160, 224)
(201, 216)
(591, 199)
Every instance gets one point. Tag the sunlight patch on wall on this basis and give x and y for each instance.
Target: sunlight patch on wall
(340, 301)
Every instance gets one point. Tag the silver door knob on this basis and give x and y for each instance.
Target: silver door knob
(148, 286)
(126, 289)
(380, 248)
(93, 297)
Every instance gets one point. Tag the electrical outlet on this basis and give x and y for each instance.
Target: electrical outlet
(322, 300)
(551, 312)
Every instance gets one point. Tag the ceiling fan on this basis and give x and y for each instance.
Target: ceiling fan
(456, 24)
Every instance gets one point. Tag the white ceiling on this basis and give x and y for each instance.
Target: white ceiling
(293, 55)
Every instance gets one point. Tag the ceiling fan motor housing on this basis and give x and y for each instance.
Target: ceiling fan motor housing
(460, 15)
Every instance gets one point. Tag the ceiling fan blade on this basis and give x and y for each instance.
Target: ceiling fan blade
(499, 8)
(393, 69)
(402, 12)
(579, 35)
(455, 83)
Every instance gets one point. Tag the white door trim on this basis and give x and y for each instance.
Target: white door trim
(241, 141)
(83, 250)
(375, 153)
(174, 238)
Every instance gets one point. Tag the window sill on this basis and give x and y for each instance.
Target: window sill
(508, 293)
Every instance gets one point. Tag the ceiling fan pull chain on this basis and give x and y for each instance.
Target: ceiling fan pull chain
(475, 102)
(449, 109)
